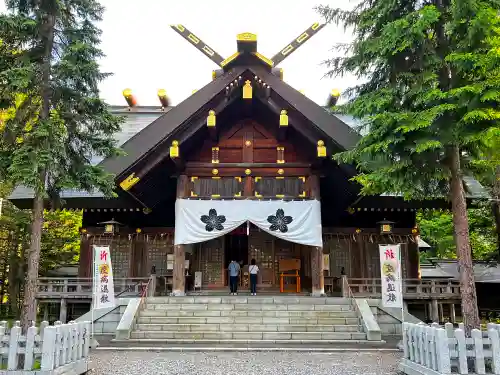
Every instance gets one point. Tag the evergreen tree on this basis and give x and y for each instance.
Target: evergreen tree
(60, 122)
(430, 92)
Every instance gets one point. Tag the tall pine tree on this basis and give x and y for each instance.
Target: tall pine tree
(60, 121)
(430, 92)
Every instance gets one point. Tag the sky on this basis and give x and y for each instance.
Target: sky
(145, 54)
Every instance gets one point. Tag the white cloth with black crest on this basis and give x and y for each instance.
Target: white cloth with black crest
(202, 220)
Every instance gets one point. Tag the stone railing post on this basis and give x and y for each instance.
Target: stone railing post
(344, 285)
(443, 352)
(152, 286)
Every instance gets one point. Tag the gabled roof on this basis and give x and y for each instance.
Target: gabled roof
(148, 128)
(156, 132)
(334, 130)
(344, 136)
(484, 272)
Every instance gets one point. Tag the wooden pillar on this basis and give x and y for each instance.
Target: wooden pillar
(453, 317)
(317, 272)
(63, 311)
(178, 288)
(85, 264)
(435, 311)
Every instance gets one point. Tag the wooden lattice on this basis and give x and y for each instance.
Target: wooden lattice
(261, 249)
(158, 249)
(211, 262)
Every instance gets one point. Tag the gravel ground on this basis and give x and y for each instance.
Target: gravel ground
(244, 363)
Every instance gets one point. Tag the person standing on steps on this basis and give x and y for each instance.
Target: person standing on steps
(234, 272)
(253, 270)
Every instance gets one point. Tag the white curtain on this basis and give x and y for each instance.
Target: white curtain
(203, 220)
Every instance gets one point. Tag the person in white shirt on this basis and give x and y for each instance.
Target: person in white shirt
(253, 269)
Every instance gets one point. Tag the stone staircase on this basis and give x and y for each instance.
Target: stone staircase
(247, 320)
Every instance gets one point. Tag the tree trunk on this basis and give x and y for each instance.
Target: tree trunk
(28, 314)
(470, 310)
(496, 207)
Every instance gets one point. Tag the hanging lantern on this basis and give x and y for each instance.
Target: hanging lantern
(111, 226)
(386, 226)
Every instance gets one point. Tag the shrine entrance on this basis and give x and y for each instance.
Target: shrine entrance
(213, 257)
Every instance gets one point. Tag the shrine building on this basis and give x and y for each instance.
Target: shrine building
(242, 169)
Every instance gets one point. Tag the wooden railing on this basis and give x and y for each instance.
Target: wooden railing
(412, 288)
(67, 287)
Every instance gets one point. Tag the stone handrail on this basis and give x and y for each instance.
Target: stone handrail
(412, 288)
(72, 287)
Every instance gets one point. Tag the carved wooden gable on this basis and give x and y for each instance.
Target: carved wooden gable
(248, 142)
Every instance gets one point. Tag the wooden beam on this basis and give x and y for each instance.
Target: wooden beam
(178, 288)
(317, 267)
(195, 164)
(262, 172)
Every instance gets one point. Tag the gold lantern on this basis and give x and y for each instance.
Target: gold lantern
(111, 226)
(386, 226)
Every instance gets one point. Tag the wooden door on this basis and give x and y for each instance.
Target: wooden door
(283, 250)
(211, 263)
(261, 249)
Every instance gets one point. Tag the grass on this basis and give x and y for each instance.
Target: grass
(37, 365)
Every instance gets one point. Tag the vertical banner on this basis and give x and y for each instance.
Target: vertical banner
(390, 271)
(104, 291)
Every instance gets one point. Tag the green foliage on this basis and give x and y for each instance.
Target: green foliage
(60, 239)
(436, 228)
(431, 82)
(60, 246)
(54, 152)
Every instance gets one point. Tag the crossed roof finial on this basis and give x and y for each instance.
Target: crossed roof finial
(247, 44)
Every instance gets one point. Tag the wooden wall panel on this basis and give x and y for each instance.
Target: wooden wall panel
(262, 149)
(85, 264)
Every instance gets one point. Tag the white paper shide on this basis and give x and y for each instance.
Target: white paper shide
(390, 271)
(104, 291)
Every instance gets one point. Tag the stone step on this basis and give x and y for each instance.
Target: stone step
(284, 300)
(245, 307)
(243, 313)
(249, 327)
(249, 345)
(218, 335)
(244, 319)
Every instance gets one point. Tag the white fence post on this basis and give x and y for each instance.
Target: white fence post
(495, 350)
(58, 344)
(462, 351)
(477, 338)
(443, 352)
(30, 346)
(48, 349)
(86, 339)
(15, 334)
(405, 340)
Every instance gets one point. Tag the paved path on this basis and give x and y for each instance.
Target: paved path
(244, 363)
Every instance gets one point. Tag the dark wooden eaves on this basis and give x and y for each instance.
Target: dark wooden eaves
(340, 133)
(154, 134)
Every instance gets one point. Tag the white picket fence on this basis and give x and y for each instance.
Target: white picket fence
(61, 348)
(433, 350)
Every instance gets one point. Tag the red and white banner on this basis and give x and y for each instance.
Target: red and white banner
(104, 291)
(390, 271)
